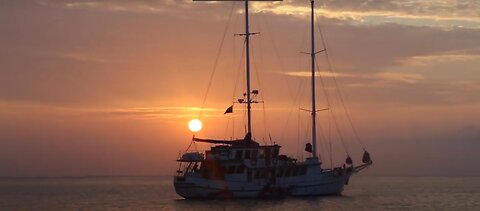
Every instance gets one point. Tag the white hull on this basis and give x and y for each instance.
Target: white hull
(315, 183)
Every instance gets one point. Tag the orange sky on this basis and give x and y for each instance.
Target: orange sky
(108, 87)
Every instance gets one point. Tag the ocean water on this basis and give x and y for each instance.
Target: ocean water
(157, 193)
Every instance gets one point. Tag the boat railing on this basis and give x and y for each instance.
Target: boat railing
(190, 156)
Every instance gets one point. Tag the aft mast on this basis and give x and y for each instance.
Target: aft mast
(312, 54)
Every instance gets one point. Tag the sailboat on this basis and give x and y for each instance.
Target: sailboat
(243, 168)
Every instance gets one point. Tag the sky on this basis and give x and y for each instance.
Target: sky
(107, 87)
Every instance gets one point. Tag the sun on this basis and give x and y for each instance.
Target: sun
(195, 125)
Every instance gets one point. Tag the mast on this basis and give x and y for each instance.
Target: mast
(247, 70)
(247, 64)
(314, 111)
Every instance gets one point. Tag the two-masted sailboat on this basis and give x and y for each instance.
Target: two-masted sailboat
(245, 169)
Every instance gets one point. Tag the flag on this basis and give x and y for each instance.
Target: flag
(229, 110)
(309, 147)
(349, 160)
(366, 157)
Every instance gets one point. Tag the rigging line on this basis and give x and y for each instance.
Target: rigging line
(190, 145)
(216, 60)
(272, 40)
(265, 125)
(264, 19)
(345, 108)
(298, 134)
(256, 70)
(265, 121)
(320, 154)
(329, 106)
(308, 133)
(229, 117)
(232, 131)
(238, 76)
(225, 134)
(235, 75)
(275, 48)
(330, 138)
(302, 124)
(243, 88)
(320, 131)
(322, 141)
(195, 146)
(327, 97)
(300, 89)
(276, 52)
(301, 86)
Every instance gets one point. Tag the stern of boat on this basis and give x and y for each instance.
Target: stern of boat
(184, 179)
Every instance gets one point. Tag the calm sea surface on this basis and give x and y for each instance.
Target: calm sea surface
(157, 193)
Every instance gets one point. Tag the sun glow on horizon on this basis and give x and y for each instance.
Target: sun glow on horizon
(195, 125)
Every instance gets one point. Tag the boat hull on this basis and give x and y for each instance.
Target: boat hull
(197, 187)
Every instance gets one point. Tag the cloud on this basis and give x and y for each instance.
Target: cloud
(118, 6)
(154, 46)
(416, 12)
(409, 78)
(437, 13)
(441, 57)
(321, 73)
(151, 112)
(378, 78)
(469, 133)
(160, 112)
(81, 57)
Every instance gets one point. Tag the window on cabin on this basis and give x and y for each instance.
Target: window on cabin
(260, 174)
(303, 170)
(288, 171)
(295, 171)
(238, 154)
(240, 169)
(268, 156)
(247, 154)
(280, 172)
(257, 174)
(267, 153)
(231, 170)
(263, 174)
(275, 153)
(254, 154)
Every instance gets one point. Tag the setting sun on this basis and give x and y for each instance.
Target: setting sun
(195, 125)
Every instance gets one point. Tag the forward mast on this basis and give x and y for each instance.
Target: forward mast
(248, 92)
